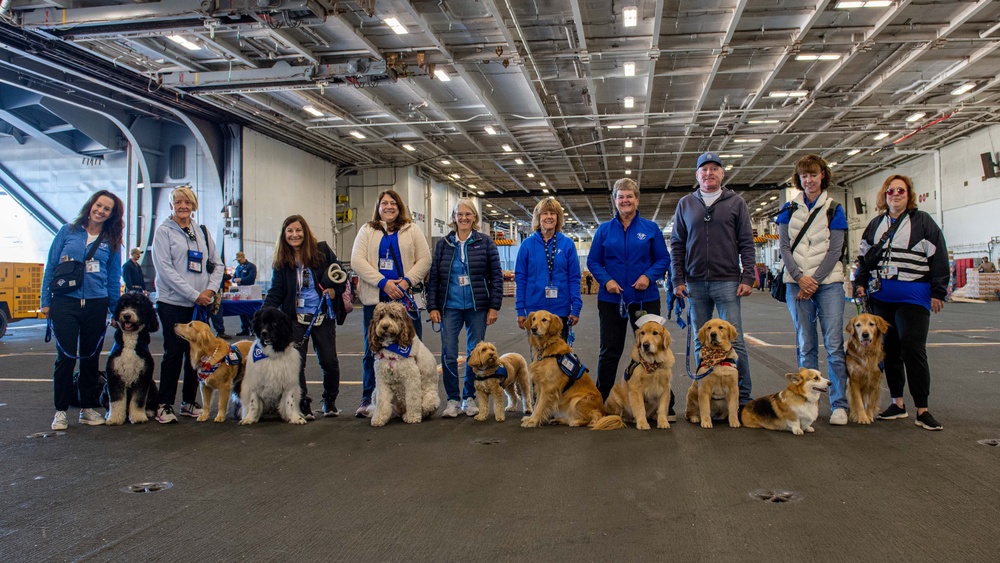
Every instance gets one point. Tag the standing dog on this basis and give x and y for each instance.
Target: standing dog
(405, 370)
(572, 394)
(272, 373)
(864, 353)
(497, 375)
(794, 409)
(717, 394)
(220, 366)
(646, 385)
(130, 365)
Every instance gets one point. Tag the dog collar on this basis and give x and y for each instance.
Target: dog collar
(403, 351)
(207, 367)
(500, 373)
(711, 358)
(650, 368)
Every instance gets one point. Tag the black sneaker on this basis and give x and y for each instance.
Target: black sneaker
(307, 411)
(671, 415)
(330, 408)
(893, 412)
(243, 333)
(927, 422)
(224, 336)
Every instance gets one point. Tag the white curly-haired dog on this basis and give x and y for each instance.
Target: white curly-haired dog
(405, 370)
(272, 373)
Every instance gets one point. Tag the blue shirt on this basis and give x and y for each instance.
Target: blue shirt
(388, 250)
(913, 292)
(306, 292)
(460, 296)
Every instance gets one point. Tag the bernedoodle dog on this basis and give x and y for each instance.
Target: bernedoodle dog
(272, 373)
(220, 366)
(645, 388)
(715, 395)
(864, 353)
(561, 382)
(130, 365)
(498, 377)
(406, 378)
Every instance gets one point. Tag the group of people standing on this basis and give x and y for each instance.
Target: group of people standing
(710, 262)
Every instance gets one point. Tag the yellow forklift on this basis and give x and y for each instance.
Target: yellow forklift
(20, 292)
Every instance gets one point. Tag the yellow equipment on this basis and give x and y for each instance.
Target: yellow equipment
(20, 292)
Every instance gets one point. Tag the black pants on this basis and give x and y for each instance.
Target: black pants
(77, 326)
(906, 349)
(613, 331)
(175, 356)
(324, 339)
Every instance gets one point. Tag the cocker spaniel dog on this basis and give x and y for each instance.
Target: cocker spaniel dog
(405, 370)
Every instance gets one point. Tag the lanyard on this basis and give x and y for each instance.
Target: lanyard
(550, 259)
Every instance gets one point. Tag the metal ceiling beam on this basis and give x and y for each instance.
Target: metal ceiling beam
(29, 200)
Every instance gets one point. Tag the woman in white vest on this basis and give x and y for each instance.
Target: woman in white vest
(814, 274)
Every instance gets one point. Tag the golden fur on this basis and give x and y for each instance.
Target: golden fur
(403, 384)
(206, 347)
(580, 404)
(794, 409)
(484, 361)
(864, 378)
(717, 394)
(647, 389)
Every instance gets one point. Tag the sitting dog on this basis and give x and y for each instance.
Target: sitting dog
(794, 409)
(499, 375)
(716, 394)
(130, 365)
(561, 382)
(220, 366)
(271, 380)
(646, 384)
(406, 378)
(864, 353)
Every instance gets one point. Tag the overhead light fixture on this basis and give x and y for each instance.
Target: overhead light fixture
(628, 143)
(399, 28)
(481, 192)
(518, 161)
(489, 205)
(631, 15)
(916, 116)
(312, 110)
(531, 175)
(818, 57)
(832, 164)
(881, 136)
(774, 197)
(850, 5)
(734, 155)
(442, 75)
(729, 167)
(542, 184)
(545, 190)
(853, 152)
(629, 102)
(409, 147)
(489, 129)
(184, 42)
(963, 88)
(506, 147)
(357, 134)
(455, 176)
(472, 186)
(747, 140)
(788, 94)
(763, 121)
(628, 171)
(629, 69)
(628, 159)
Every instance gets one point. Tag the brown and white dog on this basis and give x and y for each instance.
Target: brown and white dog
(575, 398)
(511, 381)
(794, 409)
(406, 378)
(646, 385)
(217, 369)
(864, 353)
(717, 394)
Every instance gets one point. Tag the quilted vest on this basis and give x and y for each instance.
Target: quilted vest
(814, 245)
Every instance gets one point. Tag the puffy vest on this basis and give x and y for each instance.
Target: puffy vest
(812, 248)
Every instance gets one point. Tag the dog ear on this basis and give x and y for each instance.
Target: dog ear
(881, 324)
(374, 343)
(531, 317)
(703, 332)
(407, 334)
(149, 312)
(732, 332)
(794, 377)
(667, 340)
(849, 328)
(555, 325)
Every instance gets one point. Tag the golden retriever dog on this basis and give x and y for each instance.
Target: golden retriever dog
(717, 394)
(219, 368)
(511, 382)
(577, 400)
(646, 385)
(864, 353)
(794, 409)
(406, 379)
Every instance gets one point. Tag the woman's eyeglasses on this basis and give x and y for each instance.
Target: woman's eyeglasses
(895, 191)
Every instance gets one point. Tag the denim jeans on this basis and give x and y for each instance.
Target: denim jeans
(826, 306)
(368, 362)
(721, 295)
(452, 321)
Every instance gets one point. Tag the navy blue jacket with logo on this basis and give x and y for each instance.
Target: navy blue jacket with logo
(484, 272)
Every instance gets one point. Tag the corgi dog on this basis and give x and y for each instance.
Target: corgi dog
(794, 409)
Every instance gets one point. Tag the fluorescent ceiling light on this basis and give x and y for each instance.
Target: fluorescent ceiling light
(747, 140)
(489, 129)
(399, 28)
(735, 155)
(628, 143)
(628, 171)
(763, 121)
(506, 147)
(774, 197)
(442, 75)
(629, 69)
(963, 88)
(614, 126)
(489, 205)
(916, 116)
(818, 57)
(357, 134)
(455, 176)
(545, 190)
(629, 102)
(729, 167)
(848, 5)
(853, 152)
(542, 184)
(409, 147)
(311, 110)
(184, 42)
(518, 161)
(446, 162)
(629, 126)
(531, 175)
(788, 94)
(878, 4)
(472, 186)
(881, 136)
(481, 192)
(631, 15)
(628, 159)
(830, 57)
(832, 164)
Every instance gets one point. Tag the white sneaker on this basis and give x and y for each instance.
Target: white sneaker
(839, 417)
(91, 417)
(470, 407)
(165, 414)
(192, 410)
(451, 410)
(59, 421)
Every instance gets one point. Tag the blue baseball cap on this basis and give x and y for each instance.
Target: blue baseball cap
(708, 157)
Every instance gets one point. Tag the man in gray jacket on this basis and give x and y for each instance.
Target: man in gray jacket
(712, 238)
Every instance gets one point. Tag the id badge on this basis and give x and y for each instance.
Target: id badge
(93, 266)
(300, 302)
(463, 280)
(194, 261)
(386, 264)
(551, 292)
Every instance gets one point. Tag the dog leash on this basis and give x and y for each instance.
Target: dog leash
(861, 304)
(690, 324)
(100, 344)
(325, 300)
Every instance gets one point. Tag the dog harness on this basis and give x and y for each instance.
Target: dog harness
(206, 367)
(500, 373)
(257, 353)
(650, 368)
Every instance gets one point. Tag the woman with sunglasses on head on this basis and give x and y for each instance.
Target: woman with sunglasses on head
(465, 288)
(390, 256)
(904, 273)
(78, 316)
(305, 273)
(627, 256)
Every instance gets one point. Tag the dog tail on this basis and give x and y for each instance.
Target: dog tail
(609, 422)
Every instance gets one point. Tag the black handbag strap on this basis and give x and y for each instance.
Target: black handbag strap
(93, 247)
(805, 227)
(888, 234)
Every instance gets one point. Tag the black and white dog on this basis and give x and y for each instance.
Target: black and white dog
(271, 381)
(130, 365)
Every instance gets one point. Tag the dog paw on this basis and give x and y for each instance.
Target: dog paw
(480, 417)
(810, 429)
(220, 418)
(694, 419)
(114, 422)
(528, 422)
(642, 425)
(246, 422)
(734, 424)
(297, 420)
(707, 423)
(662, 424)
(500, 417)
(411, 418)
(797, 431)
(203, 416)
(379, 421)
(141, 419)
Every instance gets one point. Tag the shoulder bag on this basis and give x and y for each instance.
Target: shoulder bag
(68, 276)
(778, 288)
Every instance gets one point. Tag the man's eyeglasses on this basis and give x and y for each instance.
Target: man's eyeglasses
(895, 191)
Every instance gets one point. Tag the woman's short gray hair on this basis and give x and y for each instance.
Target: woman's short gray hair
(627, 184)
(471, 205)
(184, 192)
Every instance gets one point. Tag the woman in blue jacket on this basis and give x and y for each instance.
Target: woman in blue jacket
(78, 316)
(465, 288)
(547, 272)
(627, 256)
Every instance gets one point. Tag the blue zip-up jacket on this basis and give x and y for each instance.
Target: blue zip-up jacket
(484, 270)
(531, 275)
(713, 249)
(246, 272)
(624, 255)
(72, 243)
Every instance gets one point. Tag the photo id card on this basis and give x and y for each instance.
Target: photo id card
(551, 292)
(194, 261)
(386, 264)
(463, 281)
(93, 266)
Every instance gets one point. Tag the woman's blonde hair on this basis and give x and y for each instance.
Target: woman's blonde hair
(547, 204)
(187, 193)
(468, 203)
(627, 184)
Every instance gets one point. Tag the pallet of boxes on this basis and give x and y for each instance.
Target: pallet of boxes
(508, 283)
(980, 285)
